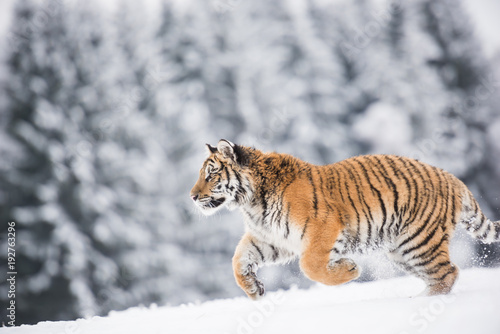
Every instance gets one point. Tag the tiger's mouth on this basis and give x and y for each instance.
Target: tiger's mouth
(215, 203)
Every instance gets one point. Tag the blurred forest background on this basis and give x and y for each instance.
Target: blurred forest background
(104, 113)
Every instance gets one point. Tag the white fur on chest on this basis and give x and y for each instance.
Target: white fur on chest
(274, 228)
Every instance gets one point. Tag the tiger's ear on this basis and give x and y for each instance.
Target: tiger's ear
(227, 149)
(211, 149)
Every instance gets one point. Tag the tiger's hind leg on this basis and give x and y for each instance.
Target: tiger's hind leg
(432, 264)
(444, 283)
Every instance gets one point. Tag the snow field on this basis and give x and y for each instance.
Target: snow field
(384, 306)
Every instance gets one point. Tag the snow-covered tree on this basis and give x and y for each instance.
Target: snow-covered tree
(84, 179)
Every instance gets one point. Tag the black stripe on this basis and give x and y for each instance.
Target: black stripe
(227, 176)
(379, 196)
(440, 197)
(315, 197)
(352, 202)
(277, 214)
(264, 204)
(421, 228)
(371, 220)
(485, 234)
(497, 231)
(476, 206)
(422, 243)
(325, 196)
(275, 252)
(341, 218)
(426, 171)
(404, 162)
(437, 267)
(451, 271)
(287, 231)
(280, 212)
(258, 250)
(429, 260)
(417, 233)
(415, 199)
(238, 177)
(361, 196)
(261, 192)
(250, 215)
(381, 234)
(453, 206)
(441, 221)
(483, 220)
(274, 212)
(240, 194)
(304, 229)
(397, 171)
(373, 169)
(400, 208)
(339, 187)
(329, 177)
(449, 216)
(358, 217)
(356, 238)
(439, 200)
(381, 231)
(433, 249)
(335, 250)
(389, 183)
(427, 198)
(393, 219)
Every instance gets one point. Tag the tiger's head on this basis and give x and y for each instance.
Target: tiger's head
(224, 179)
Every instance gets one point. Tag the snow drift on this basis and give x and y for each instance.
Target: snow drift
(384, 306)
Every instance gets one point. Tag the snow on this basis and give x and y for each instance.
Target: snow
(384, 306)
(385, 129)
(484, 14)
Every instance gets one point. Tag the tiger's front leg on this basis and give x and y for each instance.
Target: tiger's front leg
(251, 254)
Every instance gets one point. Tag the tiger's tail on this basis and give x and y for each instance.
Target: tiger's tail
(476, 223)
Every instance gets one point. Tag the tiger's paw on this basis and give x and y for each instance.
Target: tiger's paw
(347, 266)
(252, 286)
(256, 290)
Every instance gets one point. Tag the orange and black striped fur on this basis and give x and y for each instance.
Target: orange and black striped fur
(324, 213)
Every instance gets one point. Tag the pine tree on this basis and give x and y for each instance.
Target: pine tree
(465, 73)
(36, 181)
(87, 175)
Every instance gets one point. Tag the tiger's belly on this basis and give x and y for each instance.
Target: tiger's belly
(365, 236)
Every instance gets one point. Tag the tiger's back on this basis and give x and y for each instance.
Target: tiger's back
(324, 213)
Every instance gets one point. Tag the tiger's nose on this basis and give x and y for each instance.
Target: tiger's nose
(194, 197)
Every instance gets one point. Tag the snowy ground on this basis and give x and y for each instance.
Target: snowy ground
(385, 306)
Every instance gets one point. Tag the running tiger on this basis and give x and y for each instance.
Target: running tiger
(324, 213)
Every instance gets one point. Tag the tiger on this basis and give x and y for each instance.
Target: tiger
(325, 214)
